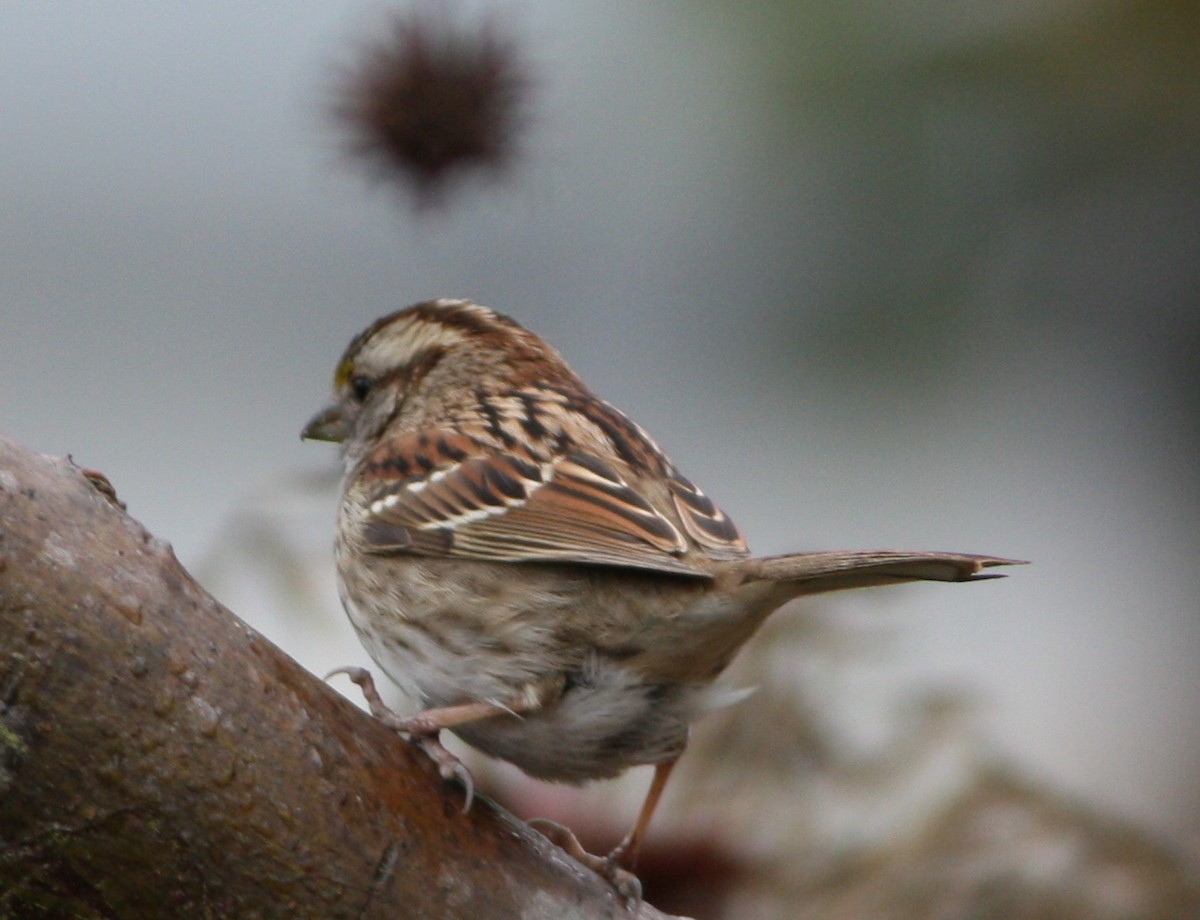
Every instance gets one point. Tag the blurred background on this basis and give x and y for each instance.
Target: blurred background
(910, 275)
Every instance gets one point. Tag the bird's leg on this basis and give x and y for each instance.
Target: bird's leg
(625, 853)
(617, 867)
(424, 727)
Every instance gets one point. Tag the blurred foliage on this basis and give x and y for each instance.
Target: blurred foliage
(966, 143)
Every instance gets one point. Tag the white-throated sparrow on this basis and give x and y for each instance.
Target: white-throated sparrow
(526, 562)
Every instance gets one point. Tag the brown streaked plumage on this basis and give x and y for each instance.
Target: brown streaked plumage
(530, 567)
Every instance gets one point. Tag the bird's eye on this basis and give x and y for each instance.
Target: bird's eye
(360, 387)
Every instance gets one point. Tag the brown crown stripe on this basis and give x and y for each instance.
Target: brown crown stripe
(465, 316)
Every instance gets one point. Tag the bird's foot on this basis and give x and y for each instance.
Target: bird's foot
(421, 729)
(609, 867)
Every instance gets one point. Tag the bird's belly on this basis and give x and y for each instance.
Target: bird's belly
(607, 719)
(462, 632)
(448, 655)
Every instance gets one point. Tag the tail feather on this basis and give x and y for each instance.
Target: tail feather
(813, 573)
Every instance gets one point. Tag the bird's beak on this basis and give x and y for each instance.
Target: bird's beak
(327, 425)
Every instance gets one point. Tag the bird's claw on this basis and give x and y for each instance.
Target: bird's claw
(449, 766)
(419, 731)
(362, 677)
(624, 882)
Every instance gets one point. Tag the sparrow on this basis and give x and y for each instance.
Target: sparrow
(528, 565)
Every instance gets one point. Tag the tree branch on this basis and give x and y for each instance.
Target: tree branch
(159, 758)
